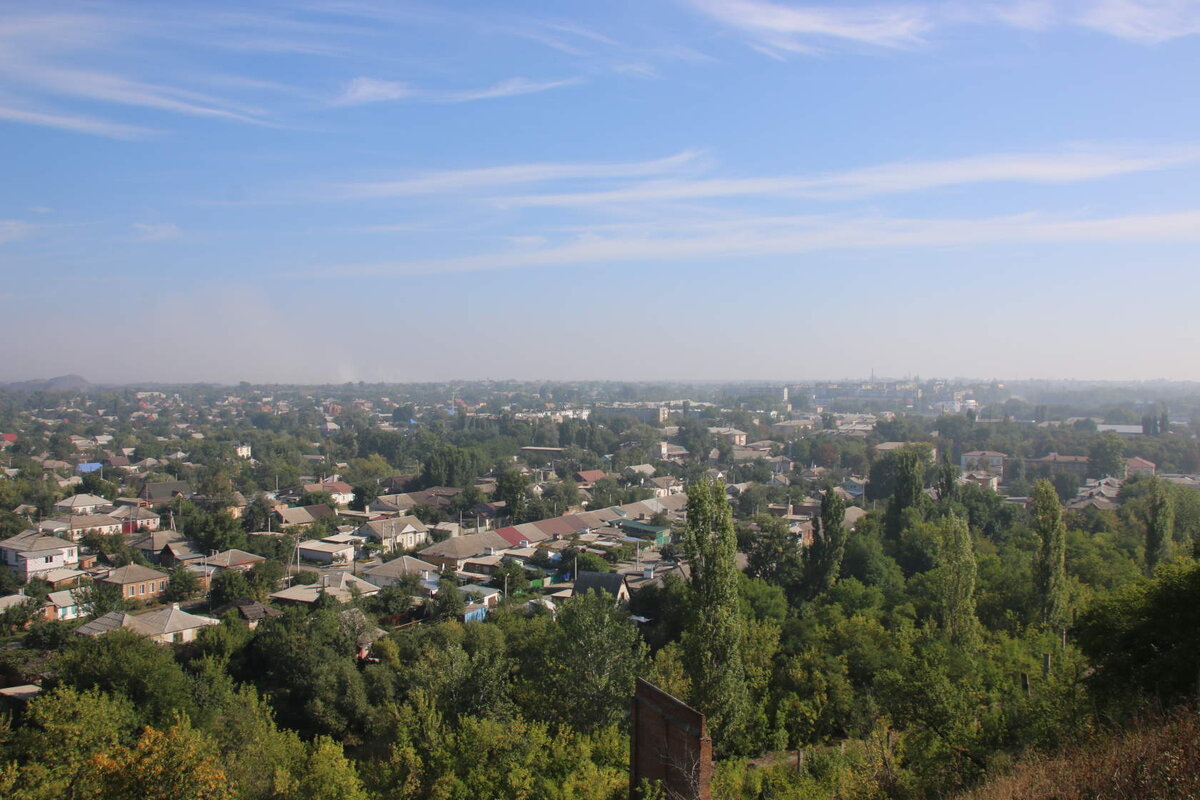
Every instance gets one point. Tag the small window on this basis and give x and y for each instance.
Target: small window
(142, 589)
(131, 591)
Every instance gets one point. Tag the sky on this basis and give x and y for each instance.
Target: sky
(344, 190)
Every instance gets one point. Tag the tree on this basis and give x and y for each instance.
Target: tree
(449, 602)
(1107, 457)
(316, 499)
(1050, 577)
(15, 617)
(598, 655)
(396, 598)
(182, 585)
(954, 578)
(823, 559)
(264, 578)
(715, 632)
(1146, 637)
(64, 728)
(1160, 525)
(123, 663)
(176, 764)
(513, 489)
(774, 554)
(229, 586)
(257, 515)
(910, 488)
(510, 576)
(97, 598)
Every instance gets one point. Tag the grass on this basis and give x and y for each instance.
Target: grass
(1157, 759)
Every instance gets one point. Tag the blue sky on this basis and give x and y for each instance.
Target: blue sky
(738, 189)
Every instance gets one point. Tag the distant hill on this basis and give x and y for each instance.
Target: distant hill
(1153, 760)
(63, 383)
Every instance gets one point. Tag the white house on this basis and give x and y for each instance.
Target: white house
(31, 554)
(392, 571)
(81, 504)
(80, 524)
(326, 552)
(165, 626)
(64, 604)
(398, 533)
(983, 461)
(341, 586)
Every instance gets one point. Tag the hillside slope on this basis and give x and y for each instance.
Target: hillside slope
(1159, 760)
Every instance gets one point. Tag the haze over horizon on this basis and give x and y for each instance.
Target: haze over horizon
(343, 190)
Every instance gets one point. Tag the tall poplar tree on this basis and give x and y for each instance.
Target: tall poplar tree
(956, 573)
(1051, 571)
(823, 559)
(910, 488)
(1160, 525)
(715, 633)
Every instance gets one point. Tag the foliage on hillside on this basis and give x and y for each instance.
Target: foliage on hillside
(1157, 759)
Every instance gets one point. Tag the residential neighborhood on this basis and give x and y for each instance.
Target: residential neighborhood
(401, 516)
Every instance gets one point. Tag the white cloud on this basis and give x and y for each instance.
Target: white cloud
(1143, 20)
(371, 90)
(155, 232)
(506, 88)
(778, 28)
(750, 238)
(68, 122)
(802, 28)
(361, 91)
(1052, 167)
(13, 229)
(513, 175)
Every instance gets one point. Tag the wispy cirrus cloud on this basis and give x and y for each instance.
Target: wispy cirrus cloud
(1068, 166)
(512, 175)
(71, 122)
(13, 229)
(782, 236)
(154, 231)
(362, 90)
(1142, 20)
(779, 28)
(802, 28)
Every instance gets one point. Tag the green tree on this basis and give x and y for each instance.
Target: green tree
(954, 578)
(177, 764)
(122, 663)
(16, 617)
(97, 598)
(229, 586)
(511, 577)
(182, 585)
(1050, 576)
(449, 602)
(910, 488)
(513, 489)
(1106, 458)
(257, 515)
(1145, 639)
(264, 578)
(774, 554)
(1160, 525)
(64, 728)
(823, 559)
(316, 499)
(715, 633)
(598, 655)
